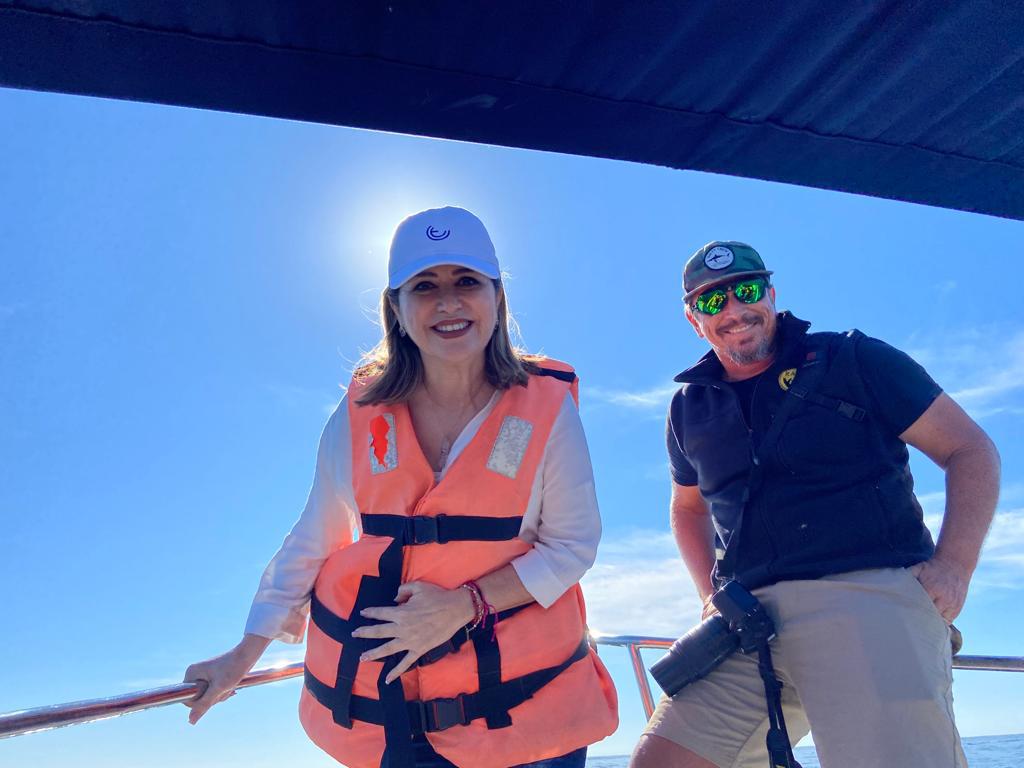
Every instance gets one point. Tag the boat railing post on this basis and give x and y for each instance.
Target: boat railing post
(641, 679)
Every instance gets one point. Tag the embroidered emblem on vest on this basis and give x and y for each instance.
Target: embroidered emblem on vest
(786, 378)
(383, 448)
(510, 447)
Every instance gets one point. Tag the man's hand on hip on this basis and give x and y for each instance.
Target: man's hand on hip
(946, 583)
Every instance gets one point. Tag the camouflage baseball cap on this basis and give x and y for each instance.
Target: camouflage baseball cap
(717, 262)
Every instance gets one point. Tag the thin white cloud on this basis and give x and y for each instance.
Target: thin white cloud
(639, 586)
(933, 503)
(1001, 565)
(654, 399)
(1002, 558)
(982, 368)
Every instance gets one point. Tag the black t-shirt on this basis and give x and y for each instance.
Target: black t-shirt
(745, 394)
(900, 390)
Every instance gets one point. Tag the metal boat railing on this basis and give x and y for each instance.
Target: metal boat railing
(58, 715)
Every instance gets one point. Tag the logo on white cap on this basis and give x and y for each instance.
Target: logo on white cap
(437, 234)
(719, 257)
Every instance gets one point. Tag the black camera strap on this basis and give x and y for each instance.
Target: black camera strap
(780, 752)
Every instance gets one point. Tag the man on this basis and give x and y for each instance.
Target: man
(810, 505)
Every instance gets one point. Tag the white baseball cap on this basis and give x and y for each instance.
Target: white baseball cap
(440, 236)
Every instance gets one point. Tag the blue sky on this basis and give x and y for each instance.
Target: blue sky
(184, 293)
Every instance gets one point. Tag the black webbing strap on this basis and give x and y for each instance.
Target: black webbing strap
(488, 668)
(780, 751)
(843, 408)
(440, 529)
(398, 748)
(339, 629)
(441, 714)
(566, 376)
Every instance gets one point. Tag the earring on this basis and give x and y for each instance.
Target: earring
(401, 331)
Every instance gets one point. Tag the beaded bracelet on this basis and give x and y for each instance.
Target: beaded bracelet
(488, 608)
(479, 605)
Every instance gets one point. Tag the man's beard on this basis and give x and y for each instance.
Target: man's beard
(764, 350)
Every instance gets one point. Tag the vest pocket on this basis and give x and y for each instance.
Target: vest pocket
(848, 525)
(816, 440)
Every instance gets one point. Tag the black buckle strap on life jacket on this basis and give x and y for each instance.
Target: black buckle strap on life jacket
(440, 529)
(464, 634)
(441, 714)
(843, 408)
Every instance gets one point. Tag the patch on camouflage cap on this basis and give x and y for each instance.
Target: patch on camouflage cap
(719, 257)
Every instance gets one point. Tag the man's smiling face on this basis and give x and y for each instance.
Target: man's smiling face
(743, 334)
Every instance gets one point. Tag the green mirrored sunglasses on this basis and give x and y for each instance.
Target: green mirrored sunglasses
(749, 291)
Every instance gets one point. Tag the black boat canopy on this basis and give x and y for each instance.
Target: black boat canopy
(913, 100)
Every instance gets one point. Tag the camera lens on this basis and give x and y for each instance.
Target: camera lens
(694, 655)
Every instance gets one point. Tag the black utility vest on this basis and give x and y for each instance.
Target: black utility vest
(829, 493)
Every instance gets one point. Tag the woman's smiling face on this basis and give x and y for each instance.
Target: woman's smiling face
(449, 312)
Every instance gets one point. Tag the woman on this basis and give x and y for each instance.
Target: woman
(452, 632)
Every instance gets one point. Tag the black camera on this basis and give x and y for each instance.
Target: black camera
(741, 624)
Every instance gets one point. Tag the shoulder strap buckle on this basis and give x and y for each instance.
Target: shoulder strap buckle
(851, 411)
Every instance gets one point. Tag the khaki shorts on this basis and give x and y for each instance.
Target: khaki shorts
(866, 664)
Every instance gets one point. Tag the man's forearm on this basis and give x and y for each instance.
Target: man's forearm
(972, 490)
(695, 537)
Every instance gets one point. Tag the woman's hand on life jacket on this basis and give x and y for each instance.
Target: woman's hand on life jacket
(946, 583)
(427, 615)
(218, 677)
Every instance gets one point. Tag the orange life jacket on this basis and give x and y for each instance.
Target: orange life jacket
(523, 687)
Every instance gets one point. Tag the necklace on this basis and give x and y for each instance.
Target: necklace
(449, 424)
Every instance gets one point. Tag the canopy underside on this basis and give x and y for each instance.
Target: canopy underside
(915, 101)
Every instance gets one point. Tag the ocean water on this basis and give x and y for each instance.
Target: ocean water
(981, 751)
